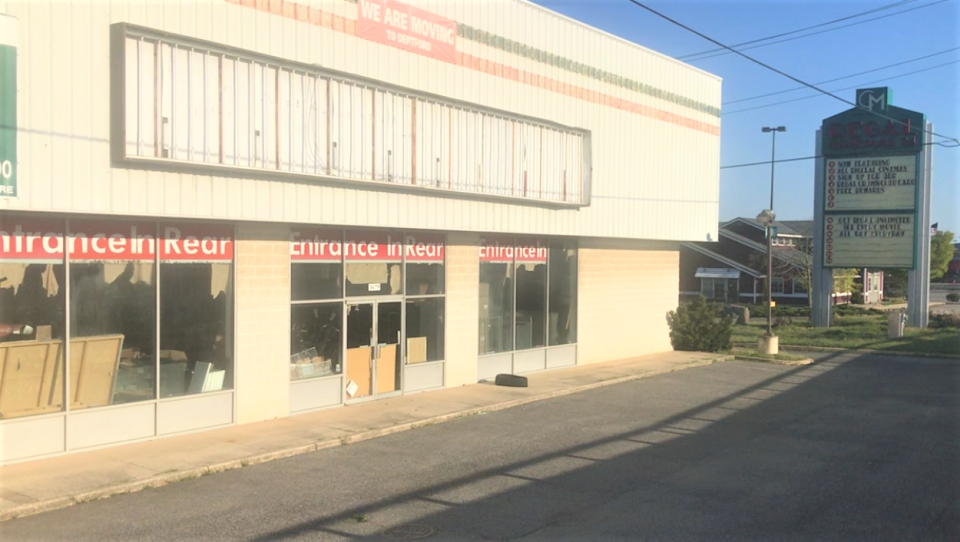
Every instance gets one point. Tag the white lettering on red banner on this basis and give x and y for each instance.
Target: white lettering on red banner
(196, 243)
(31, 240)
(424, 248)
(326, 246)
(43, 240)
(496, 250)
(316, 246)
(408, 28)
(506, 250)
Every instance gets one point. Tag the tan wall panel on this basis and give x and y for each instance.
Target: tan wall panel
(462, 333)
(623, 301)
(263, 322)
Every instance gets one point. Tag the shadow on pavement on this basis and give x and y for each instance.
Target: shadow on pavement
(850, 448)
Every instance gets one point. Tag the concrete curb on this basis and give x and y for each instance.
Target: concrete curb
(801, 348)
(791, 362)
(179, 476)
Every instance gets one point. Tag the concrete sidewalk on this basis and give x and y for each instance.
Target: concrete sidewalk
(48, 484)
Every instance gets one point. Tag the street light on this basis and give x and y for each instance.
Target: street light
(767, 217)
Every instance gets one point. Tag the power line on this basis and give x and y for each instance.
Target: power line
(767, 162)
(775, 36)
(953, 140)
(859, 85)
(844, 77)
(822, 31)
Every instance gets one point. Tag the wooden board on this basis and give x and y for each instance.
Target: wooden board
(416, 350)
(358, 370)
(387, 369)
(93, 370)
(31, 374)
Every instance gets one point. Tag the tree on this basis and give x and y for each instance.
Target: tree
(941, 252)
(700, 327)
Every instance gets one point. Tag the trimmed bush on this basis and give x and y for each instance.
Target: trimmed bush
(949, 320)
(700, 327)
(953, 296)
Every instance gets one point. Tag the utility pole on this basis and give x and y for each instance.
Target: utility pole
(769, 224)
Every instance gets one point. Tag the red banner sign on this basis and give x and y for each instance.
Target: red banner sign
(31, 240)
(42, 240)
(408, 28)
(326, 246)
(196, 243)
(507, 250)
(424, 247)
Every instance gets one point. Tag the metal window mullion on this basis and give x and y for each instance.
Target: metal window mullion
(67, 328)
(546, 294)
(156, 330)
(513, 281)
(251, 116)
(173, 100)
(139, 95)
(190, 104)
(263, 117)
(290, 121)
(304, 123)
(236, 119)
(205, 60)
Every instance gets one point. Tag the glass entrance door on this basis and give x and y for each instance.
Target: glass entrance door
(373, 348)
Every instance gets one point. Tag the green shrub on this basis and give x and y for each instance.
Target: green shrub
(953, 296)
(856, 298)
(949, 320)
(700, 327)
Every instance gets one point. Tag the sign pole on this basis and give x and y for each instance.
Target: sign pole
(918, 279)
(821, 286)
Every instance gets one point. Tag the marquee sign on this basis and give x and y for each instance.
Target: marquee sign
(871, 174)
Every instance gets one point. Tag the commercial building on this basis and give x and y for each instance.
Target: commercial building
(734, 267)
(225, 211)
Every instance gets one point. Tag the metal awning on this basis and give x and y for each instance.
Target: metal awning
(717, 273)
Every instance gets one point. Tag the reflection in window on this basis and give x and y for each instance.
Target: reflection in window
(365, 279)
(113, 331)
(316, 340)
(776, 285)
(496, 307)
(563, 295)
(424, 278)
(425, 330)
(31, 338)
(310, 281)
(196, 328)
(531, 305)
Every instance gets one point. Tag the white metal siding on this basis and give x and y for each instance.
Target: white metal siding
(651, 179)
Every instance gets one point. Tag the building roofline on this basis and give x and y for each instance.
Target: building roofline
(720, 258)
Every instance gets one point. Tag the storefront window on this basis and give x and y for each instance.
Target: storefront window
(112, 313)
(516, 274)
(373, 262)
(425, 324)
(496, 296)
(317, 272)
(563, 294)
(196, 312)
(316, 328)
(425, 273)
(531, 314)
(31, 318)
(316, 340)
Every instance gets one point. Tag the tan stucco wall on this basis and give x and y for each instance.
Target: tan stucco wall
(625, 293)
(463, 297)
(263, 322)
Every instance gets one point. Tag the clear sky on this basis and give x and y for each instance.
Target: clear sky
(830, 55)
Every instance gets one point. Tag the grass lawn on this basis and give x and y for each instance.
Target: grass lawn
(866, 332)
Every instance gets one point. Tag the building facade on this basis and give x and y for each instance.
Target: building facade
(733, 269)
(226, 211)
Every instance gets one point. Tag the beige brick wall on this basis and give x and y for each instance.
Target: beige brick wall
(625, 293)
(263, 322)
(463, 297)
